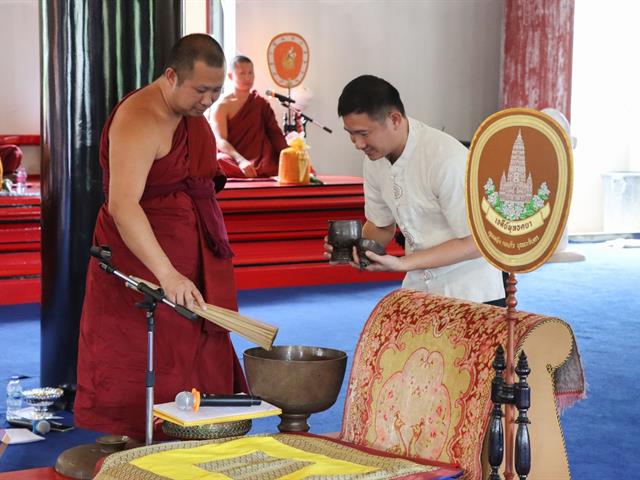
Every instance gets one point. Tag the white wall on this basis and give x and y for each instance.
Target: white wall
(442, 55)
(20, 74)
(604, 109)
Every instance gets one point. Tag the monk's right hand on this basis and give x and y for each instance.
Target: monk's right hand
(180, 290)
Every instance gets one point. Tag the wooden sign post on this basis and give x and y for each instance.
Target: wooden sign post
(519, 181)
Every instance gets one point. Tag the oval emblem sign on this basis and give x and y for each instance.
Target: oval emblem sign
(288, 59)
(519, 181)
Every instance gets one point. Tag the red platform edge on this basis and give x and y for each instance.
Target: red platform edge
(277, 276)
(19, 139)
(43, 473)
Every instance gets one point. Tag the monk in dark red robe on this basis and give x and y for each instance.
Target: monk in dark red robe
(166, 227)
(11, 158)
(248, 135)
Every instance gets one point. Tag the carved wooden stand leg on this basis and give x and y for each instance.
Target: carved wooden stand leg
(496, 433)
(522, 402)
(510, 394)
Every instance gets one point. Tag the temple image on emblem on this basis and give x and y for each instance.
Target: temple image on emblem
(515, 199)
(289, 60)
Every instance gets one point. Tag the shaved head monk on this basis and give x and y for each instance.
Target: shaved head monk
(249, 138)
(163, 224)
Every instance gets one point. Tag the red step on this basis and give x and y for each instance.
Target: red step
(276, 276)
(19, 264)
(15, 291)
(19, 236)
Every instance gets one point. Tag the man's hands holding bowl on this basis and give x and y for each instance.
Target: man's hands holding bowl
(373, 263)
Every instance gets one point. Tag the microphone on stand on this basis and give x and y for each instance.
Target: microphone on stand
(282, 98)
(194, 400)
(101, 252)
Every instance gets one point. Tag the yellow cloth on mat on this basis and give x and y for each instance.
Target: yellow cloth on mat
(282, 456)
(185, 464)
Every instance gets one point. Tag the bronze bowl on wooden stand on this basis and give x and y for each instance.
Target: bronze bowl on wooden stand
(300, 380)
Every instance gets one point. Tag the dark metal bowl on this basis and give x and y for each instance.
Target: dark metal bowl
(342, 236)
(366, 245)
(300, 380)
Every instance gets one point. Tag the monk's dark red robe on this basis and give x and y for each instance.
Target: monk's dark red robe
(255, 134)
(112, 353)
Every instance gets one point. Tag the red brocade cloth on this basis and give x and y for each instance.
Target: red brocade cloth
(420, 383)
(112, 348)
(255, 134)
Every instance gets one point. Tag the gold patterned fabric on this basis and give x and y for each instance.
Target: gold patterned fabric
(263, 457)
(420, 384)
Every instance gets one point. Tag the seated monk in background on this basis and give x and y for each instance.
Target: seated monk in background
(248, 137)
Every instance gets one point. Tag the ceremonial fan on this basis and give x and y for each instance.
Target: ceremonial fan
(260, 333)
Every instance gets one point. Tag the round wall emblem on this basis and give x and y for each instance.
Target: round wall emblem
(519, 181)
(288, 59)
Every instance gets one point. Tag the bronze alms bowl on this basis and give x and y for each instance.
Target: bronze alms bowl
(342, 236)
(80, 462)
(299, 380)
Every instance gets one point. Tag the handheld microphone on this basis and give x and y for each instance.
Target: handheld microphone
(194, 400)
(41, 427)
(282, 98)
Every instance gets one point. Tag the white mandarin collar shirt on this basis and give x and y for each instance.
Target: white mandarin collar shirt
(423, 192)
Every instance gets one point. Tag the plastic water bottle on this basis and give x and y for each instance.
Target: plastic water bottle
(14, 397)
(21, 180)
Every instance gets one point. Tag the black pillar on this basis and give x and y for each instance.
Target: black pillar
(93, 52)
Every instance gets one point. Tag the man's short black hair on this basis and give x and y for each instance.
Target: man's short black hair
(371, 95)
(239, 59)
(194, 47)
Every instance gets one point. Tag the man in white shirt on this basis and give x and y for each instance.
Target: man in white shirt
(414, 179)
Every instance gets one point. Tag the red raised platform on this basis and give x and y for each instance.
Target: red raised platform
(276, 232)
(20, 247)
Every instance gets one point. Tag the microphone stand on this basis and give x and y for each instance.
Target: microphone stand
(151, 299)
(290, 107)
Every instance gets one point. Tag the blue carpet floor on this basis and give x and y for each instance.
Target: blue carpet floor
(598, 297)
